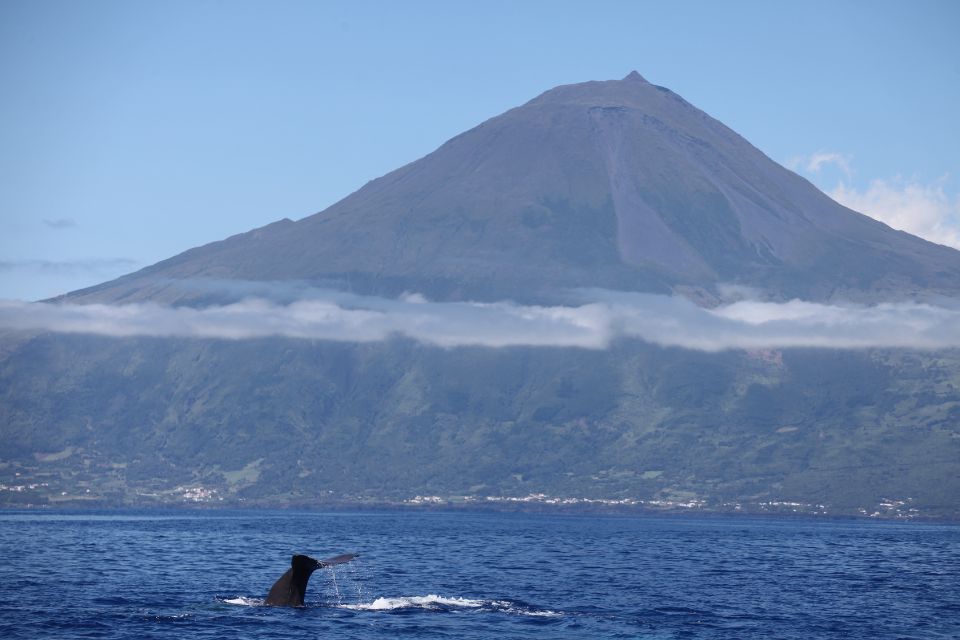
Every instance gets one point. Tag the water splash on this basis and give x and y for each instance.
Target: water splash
(336, 587)
(242, 601)
(434, 602)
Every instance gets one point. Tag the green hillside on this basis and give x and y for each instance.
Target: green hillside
(146, 421)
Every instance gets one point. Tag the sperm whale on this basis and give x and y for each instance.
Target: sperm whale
(289, 590)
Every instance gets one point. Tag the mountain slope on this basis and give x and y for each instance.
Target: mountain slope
(616, 184)
(271, 421)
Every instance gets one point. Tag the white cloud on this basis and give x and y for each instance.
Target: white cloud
(816, 161)
(662, 320)
(925, 210)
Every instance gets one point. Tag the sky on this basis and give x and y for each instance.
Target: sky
(131, 131)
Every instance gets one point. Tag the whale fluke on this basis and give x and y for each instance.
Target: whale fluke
(346, 557)
(289, 590)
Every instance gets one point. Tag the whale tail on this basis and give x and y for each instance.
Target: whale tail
(289, 590)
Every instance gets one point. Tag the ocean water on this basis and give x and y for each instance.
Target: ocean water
(203, 574)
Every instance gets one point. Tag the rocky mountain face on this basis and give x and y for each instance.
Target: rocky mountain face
(617, 185)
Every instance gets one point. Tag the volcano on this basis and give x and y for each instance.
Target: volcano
(618, 184)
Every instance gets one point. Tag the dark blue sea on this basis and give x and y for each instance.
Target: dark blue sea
(203, 574)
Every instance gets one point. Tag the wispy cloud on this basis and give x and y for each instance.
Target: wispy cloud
(662, 320)
(924, 210)
(60, 223)
(817, 161)
(88, 265)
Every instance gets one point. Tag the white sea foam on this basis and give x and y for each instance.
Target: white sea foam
(437, 602)
(539, 614)
(517, 609)
(430, 601)
(243, 601)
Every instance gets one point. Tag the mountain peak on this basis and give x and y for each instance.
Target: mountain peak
(633, 90)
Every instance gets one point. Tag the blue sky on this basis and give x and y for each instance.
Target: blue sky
(131, 131)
